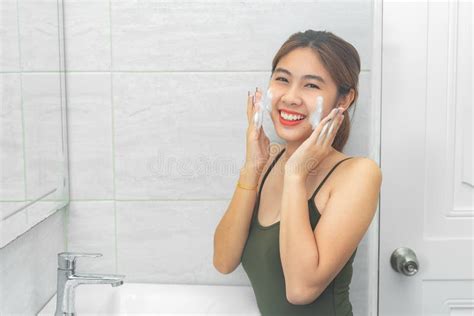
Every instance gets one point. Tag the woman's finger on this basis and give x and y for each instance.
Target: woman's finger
(256, 106)
(321, 128)
(249, 106)
(263, 141)
(257, 95)
(331, 134)
(331, 129)
(322, 135)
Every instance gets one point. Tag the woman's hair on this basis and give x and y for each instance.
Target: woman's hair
(340, 59)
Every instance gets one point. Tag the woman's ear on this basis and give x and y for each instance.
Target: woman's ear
(346, 100)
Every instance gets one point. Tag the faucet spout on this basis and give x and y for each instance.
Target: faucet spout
(88, 278)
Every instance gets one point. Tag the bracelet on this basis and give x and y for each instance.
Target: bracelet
(245, 188)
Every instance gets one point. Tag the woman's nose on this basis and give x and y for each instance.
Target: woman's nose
(291, 97)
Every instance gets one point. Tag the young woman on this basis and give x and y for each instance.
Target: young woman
(300, 210)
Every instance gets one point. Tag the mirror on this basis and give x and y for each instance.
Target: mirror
(33, 134)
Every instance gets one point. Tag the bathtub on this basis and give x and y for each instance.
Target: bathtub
(161, 299)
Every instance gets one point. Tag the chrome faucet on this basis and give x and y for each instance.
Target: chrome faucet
(68, 280)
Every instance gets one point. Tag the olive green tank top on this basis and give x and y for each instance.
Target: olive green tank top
(261, 261)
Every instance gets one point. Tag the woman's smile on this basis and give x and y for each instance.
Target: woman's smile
(290, 120)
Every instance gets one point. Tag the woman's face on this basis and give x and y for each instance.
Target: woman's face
(298, 79)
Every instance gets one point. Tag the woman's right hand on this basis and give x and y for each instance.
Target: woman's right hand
(258, 144)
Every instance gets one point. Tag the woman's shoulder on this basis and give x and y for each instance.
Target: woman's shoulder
(361, 162)
(352, 169)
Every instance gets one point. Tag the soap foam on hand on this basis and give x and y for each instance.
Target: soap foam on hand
(261, 107)
(315, 116)
(265, 104)
(268, 101)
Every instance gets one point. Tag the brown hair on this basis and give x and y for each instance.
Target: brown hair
(340, 59)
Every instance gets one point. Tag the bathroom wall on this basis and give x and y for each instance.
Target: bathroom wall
(28, 267)
(157, 119)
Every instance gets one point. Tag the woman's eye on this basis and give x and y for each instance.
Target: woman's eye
(284, 79)
(313, 85)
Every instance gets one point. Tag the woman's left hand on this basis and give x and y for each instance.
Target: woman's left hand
(314, 149)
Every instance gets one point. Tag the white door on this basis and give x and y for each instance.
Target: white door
(426, 201)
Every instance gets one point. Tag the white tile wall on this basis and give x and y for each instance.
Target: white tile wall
(166, 145)
(146, 160)
(38, 26)
(225, 35)
(87, 29)
(9, 50)
(43, 133)
(90, 136)
(170, 242)
(12, 180)
(92, 229)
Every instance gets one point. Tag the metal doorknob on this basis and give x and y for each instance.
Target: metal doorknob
(403, 260)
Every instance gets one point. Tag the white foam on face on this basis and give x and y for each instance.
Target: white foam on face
(315, 116)
(267, 122)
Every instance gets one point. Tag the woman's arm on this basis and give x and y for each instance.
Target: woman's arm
(311, 260)
(298, 249)
(232, 231)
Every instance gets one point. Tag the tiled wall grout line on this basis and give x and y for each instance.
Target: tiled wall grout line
(23, 128)
(68, 134)
(148, 71)
(114, 190)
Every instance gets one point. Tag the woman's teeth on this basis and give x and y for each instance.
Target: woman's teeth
(291, 117)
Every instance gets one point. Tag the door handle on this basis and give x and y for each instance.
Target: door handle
(403, 260)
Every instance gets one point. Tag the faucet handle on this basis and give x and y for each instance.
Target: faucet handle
(67, 260)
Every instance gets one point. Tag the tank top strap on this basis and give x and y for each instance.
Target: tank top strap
(327, 176)
(257, 202)
(268, 171)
